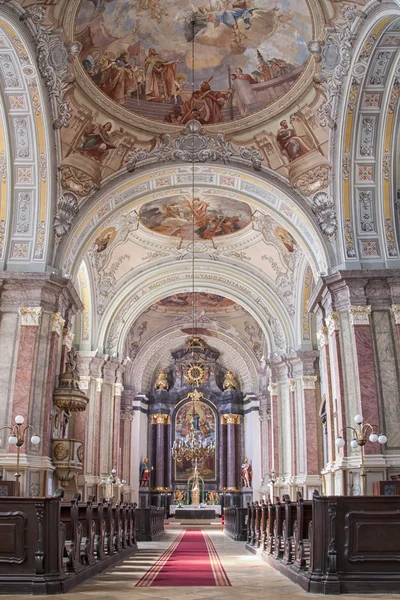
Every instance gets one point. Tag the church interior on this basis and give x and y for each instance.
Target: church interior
(199, 299)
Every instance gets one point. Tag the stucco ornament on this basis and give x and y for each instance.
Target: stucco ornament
(195, 146)
(66, 210)
(324, 210)
(53, 57)
(334, 55)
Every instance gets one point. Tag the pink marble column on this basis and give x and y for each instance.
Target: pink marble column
(323, 341)
(311, 423)
(57, 324)
(274, 454)
(24, 372)
(366, 369)
(116, 459)
(293, 440)
(335, 358)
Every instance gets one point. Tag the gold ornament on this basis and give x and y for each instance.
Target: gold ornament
(162, 381)
(195, 375)
(230, 382)
(60, 452)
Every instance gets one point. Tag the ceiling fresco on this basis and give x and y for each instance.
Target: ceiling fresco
(209, 217)
(245, 54)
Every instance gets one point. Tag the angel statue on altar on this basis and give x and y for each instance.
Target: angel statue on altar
(247, 473)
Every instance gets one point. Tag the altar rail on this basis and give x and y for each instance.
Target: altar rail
(149, 523)
(48, 546)
(235, 523)
(330, 544)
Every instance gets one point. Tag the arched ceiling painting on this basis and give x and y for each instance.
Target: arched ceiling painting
(141, 55)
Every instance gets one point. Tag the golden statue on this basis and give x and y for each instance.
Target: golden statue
(212, 497)
(230, 382)
(161, 381)
(179, 497)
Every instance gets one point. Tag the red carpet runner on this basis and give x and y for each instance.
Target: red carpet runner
(190, 561)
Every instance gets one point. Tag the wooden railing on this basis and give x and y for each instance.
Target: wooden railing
(330, 544)
(149, 523)
(235, 523)
(48, 546)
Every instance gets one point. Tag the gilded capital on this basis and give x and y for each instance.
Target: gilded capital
(160, 419)
(57, 323)
(230, 419)
(333, 322)
(396, 313)
(359, 315)
(309, 381)
(30, 316)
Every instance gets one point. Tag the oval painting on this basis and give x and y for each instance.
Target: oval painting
(212, 216)
(246, 54)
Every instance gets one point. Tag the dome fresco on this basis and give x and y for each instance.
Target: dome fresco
(246, 54)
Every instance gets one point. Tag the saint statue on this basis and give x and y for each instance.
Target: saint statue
(247, 473)
(145, 473)
(161, 381)
(230, 382)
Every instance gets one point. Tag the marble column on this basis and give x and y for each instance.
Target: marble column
(107, 417)
(232, 422)
(160, 423)
(396, 315)
(222, 453)
(274, 430)
(360, 320)
(325, 366)
(293, 437)
(311, 422)
(116, 448)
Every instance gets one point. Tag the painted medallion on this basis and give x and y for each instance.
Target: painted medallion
(245, 53)
(213, 216)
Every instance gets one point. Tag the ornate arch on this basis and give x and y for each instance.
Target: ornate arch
(367, 132)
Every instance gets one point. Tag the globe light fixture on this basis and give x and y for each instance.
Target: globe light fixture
(17, 438)
(360, 438)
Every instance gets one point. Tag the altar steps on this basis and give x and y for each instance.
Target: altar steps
(215, 524)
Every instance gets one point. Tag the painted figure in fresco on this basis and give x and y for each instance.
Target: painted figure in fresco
(104, 239)
(290, 143)
(160, 77)
(205, 105)
(99, 7)
(285, 238)
(245, 76)
(97, 140)
(247, 473)
(199, 20)
(118, 79)
(145, 473)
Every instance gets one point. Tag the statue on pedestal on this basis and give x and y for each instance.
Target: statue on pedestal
(230, 382)
(162, 381)
(145, 473)
(247, 473)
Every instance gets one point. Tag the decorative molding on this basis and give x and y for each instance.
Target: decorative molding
(333, 322)
(349, 239)
(53, 58)
(160, 419)
(334, 56)
(273, 389)
(67, 209)
(30, 316)
(57, 323)
(323, 208)
(68, 338)
(396, 313)
(84, 381)
(193, 145)
(230, 419)
(366, 213)
(359, 315)
(118, 389)
(309, 381)
(322, 337)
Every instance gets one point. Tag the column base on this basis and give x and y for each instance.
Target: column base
(342, 477)
(36, 473)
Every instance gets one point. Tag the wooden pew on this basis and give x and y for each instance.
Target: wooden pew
(287, 529)
(270, 528)
(264, 524)
(69, 515)
(278, 525)
(258, 509)
(301, 533)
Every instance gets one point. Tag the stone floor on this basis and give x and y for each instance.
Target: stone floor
(251, 578)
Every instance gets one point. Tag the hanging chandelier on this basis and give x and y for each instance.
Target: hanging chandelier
(194, 447)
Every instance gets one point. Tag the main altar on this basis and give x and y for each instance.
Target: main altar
(195, 445)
